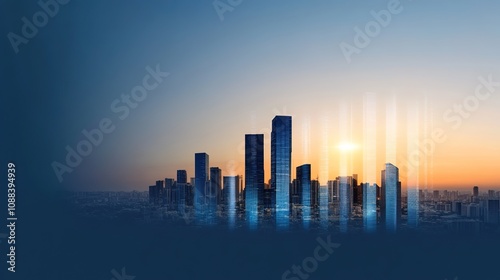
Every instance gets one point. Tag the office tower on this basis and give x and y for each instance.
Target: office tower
(192, 180)
(201, 164)
(189, 194)
(391, 196)
(215, 190)
(475, 191)
(231, 186)
(345, 201)
(357, 194)
(369, 206)
(332, 191)
(492, 211)
(281, 160)
(303, 174)
(323, 207)
(182, 176)
(155, 194)
(169, 193)
(160, 192)
(254, 176)
(314, 194)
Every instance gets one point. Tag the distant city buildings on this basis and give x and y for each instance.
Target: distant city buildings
(210, 197)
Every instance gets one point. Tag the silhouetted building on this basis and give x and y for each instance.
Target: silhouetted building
(314, 193)
(201, 167)
(333, 191)
(281, 160)
(475, 191)
(303, 174)
(492, 211)
(169, 195)
(182, 176)
(254, 176)
(155, 193)
(215, 190)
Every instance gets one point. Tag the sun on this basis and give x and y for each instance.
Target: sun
(346, 146)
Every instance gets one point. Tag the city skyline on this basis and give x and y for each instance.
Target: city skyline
(347, 150)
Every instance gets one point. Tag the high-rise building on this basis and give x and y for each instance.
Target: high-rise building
(231, 189)
(169, 192)
(215, 190)
(314, 193)
(155, 193)
(391, 196)
(323, 207)
(281, 160)
(333, 191)
(345, 201)
(182, 176)
(201, 167)
(369, 206)
(303, 174)
(492, 211)
(254, 176)
(475, 191)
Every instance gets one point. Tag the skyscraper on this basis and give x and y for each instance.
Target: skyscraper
(492, 211)
(323, 207)
(201, 164)
(254, 176)
(169, 196)
(231, 187)
(303, 174)
(215, 190)
(369, 206)
(182, 176)
(391, 188)
(345, 201)
(281, 160)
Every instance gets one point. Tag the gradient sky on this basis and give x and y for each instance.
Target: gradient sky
(266, 58)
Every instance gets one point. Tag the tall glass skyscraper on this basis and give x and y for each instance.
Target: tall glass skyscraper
(281, 160)
(201, 165)
(323, 207)
(392, 196)
(214, 192)
(369, 207)
(303, 174)
(231, 186)
(254, 176)
(345, 199)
